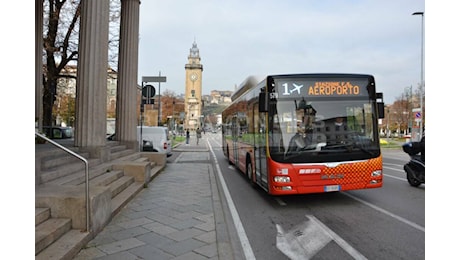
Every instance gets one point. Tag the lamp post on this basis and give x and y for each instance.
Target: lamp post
(421, 79)
(409, 108)
(173, 118)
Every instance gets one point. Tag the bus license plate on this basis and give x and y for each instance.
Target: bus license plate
(331, 188)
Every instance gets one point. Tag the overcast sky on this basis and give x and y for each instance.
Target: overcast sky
(239, 38)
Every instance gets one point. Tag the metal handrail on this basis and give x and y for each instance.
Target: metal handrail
(86, 173)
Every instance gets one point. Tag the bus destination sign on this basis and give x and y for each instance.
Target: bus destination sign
(322, 88)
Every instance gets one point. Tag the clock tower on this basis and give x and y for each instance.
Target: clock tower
(193, 87)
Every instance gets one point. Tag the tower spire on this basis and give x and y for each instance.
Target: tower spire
(194, 51)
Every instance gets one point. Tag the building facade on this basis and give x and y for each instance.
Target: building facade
(193, 89)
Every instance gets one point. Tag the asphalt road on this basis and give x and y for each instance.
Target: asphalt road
(384, 223)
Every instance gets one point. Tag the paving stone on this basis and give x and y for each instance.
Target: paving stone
(190, 256)
(120, 256)
(155, 239)
(182, 247)
(208, 226)
(130, 232)
(121, 245)
(159, 228)
(150, 252)
(208, 237)
(207, 250)
(185, 234)
(185, 224)
(89, 253)
(135, 222)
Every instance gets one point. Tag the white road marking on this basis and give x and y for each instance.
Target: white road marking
(247, 249)
(394, 177)
(305, 240)
(302, 241)
(410, 223)
(394, 164)
(342, 243)
(395, 169)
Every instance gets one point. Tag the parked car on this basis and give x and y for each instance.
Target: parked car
(58, 132)
(155, 139)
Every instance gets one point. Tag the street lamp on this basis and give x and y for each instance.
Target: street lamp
(409, 108)
(421, 79)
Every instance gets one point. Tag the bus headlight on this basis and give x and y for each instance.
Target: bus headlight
(377, 173)
(282, 179)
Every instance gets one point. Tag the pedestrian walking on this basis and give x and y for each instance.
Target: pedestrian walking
(187, 136)
(198, 135)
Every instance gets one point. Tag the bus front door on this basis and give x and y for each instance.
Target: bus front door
(235, 133)
(261, 152)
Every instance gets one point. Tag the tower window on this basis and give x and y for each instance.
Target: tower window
(193, 93)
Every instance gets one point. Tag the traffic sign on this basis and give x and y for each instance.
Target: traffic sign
(417, 114)
(153, 79)
(148, 92)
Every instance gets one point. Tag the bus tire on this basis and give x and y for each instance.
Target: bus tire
(249, 171)
(228, 157)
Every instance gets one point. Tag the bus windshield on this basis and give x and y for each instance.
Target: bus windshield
(307, 129)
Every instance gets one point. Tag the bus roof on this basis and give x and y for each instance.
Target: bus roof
(247, 84)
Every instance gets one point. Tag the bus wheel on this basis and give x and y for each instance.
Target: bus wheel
(228, 157)
(249, 172)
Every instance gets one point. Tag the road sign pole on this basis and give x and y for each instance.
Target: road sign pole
(159, 99)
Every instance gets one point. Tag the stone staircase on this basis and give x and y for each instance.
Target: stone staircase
(60, 202)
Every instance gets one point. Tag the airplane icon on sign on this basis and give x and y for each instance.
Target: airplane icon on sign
(296, 88)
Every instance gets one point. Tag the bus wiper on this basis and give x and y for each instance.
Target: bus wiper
(316, 147)
(345, 147)
(355, 145)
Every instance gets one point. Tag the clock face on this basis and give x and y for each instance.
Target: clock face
(193, 77)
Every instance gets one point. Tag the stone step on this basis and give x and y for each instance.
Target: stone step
(142, 159)
(155, 171)
(119, 201)
(49, 231)
(106, 178)
(128, 157)
(66, 247)
(49, 175)
(61, 159)
(55, 238)
(120, 184)
(117, 148)
(41, 215)
(121, 154)
(79, 177)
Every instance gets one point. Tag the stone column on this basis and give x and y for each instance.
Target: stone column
(39, 63)
(91, 104)
(126, 108)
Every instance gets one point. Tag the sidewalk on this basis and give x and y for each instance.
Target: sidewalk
(178, 216)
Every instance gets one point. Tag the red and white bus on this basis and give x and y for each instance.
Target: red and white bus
(306, 133)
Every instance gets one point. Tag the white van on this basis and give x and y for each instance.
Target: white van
(154, 139)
